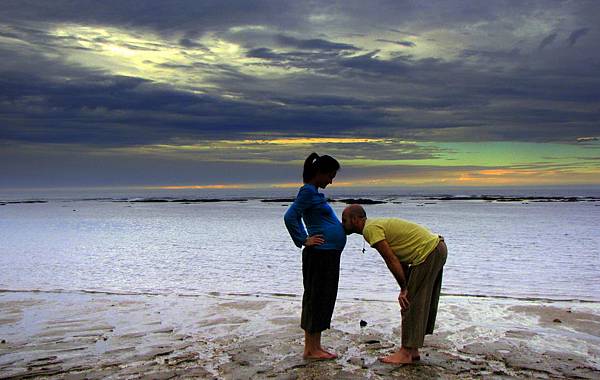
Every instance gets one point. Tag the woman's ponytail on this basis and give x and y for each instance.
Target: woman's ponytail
(310, 167)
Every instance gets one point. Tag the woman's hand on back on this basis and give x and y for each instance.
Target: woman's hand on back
(314, 240)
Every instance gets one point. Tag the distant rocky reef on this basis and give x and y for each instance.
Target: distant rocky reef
(494, 198)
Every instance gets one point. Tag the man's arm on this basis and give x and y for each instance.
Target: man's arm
(392, 262)
(396, 267)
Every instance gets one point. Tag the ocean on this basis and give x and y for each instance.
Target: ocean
(129, 241)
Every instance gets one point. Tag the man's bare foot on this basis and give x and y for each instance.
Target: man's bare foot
(318, 355)
(414, 353)
(403, 356)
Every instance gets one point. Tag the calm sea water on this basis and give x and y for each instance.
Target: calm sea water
(537, 250)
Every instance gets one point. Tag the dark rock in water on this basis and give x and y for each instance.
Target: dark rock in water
(150, 201)
(524, 199)
(556, 320)
(363, 323)
(209, 200)
(278, 200)
(185, 200)
(361, 201)
(19, 202)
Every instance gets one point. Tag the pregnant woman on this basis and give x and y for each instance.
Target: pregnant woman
(323, 245)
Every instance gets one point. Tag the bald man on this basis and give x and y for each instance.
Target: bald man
(404, 245)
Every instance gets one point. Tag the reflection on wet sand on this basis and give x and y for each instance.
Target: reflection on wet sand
(77, 336)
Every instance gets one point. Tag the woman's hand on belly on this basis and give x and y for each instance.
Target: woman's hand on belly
(314, 240)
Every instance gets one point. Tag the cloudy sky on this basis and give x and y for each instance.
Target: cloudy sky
(238, 93)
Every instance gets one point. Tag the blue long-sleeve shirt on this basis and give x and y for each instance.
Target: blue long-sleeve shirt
(319, 218)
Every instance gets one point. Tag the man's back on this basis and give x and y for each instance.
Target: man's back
(410, 241)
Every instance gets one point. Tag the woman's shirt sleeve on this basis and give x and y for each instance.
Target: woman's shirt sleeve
(293, 217)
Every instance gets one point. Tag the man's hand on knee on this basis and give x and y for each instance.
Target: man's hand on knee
(403, 300)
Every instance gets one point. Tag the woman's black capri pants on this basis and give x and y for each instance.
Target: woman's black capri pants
(320, 274)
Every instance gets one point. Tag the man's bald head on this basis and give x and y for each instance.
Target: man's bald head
(355, 211)
(353, 219)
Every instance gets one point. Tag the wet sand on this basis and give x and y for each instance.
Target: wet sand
(93, 336)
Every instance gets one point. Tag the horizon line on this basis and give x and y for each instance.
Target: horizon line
(294, 185)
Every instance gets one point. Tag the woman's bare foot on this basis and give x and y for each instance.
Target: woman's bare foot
(319, 354)
(403, 356)
(331, 354)
(313, 349)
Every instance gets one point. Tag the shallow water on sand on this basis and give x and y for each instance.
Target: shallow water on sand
(507, 249)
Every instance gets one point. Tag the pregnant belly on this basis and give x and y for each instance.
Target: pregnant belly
(335, 234)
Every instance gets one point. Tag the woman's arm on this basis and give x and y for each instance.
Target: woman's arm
(293, 218)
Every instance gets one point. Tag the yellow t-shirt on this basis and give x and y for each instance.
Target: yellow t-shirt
(411, 242)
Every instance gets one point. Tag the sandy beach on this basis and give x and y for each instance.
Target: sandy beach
(70, 335)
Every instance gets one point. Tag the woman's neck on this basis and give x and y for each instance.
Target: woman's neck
(313, 183)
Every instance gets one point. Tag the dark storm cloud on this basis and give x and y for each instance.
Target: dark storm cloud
(316, 43)
(547, 41)
(370, 150)
(404, 32)
(122, 111)
(38, 38)
(577, 34)
(492, 55)
(367, 64)
(512, 91)
(190, 16)
(264, 53)
(401, 43)
(188, 43)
